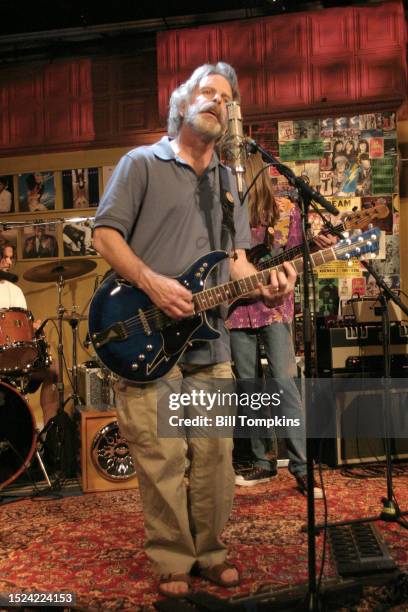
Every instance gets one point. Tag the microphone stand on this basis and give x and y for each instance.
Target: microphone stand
(390, 512)
(307, 194)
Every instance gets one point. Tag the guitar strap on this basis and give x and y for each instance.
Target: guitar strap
(227, 203)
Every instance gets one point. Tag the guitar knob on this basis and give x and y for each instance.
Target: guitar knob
(149, 347)
(141, 357)
(135, 366)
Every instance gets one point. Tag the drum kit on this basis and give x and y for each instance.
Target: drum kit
(23, 351)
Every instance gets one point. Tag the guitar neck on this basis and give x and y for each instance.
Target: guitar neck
(214, 296)
(289, 254)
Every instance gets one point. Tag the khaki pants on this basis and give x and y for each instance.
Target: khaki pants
(183, 524)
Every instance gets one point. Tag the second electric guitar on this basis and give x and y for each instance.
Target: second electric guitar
(137, 341)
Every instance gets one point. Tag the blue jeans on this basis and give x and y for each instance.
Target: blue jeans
(277, 340)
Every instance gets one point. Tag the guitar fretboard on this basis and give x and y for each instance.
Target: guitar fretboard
(214, 296)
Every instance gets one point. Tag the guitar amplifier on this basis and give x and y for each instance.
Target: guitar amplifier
(106, 462)
(365, 310)
(95, 387)
(358, 348)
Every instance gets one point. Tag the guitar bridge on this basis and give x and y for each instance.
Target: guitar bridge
(114, 333)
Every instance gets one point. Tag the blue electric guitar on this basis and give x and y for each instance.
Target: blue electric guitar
(137, 341)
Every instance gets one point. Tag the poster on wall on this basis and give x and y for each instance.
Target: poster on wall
(80, 188)
(77, 239)
(6, 194)
(36, 191)
(40, 241)
(328, 296)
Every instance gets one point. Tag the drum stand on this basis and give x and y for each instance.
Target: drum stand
(73, 321)
(58, 420)
(41, 462)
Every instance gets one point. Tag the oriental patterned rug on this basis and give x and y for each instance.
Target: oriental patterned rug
(93, 544)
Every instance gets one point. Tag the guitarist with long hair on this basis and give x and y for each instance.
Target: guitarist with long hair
(163, 208)
(276, 224)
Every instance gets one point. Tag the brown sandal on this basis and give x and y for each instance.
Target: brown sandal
(213, 574)
(166, 578)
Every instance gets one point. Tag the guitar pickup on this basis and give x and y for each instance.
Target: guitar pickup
(114, 333)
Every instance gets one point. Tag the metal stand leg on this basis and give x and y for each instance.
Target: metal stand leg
(42, 466)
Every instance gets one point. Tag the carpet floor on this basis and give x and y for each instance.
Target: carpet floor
(92, 544)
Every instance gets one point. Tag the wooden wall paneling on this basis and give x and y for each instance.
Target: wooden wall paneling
(380, 27)
(285, 39)
(196, 46)
(286, 88)
(241, 44)
(4, 117)
(131, 114)
(167, 60)
(320, 58)
(332, 33)
(333, 80)
(66, 91)
(253, 90)
(25, 108)
(381, 75)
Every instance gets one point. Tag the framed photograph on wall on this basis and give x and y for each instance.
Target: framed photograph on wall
(77, 239)
(40, 241)
(9, 236)
(6, 194)
(80, 188)
(36, 191)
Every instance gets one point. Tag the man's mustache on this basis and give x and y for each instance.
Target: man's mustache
(210, 108)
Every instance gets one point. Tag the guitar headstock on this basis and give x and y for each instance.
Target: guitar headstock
(362, 218)
(368, 242)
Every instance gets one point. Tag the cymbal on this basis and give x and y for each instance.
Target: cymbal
(54, 270)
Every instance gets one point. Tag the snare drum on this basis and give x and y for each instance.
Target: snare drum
(20, 351)
(17, 434)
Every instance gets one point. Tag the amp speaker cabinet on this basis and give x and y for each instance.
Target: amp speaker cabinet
(351, 446)
(106, 463)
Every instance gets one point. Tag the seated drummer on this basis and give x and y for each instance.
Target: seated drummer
(11, 296)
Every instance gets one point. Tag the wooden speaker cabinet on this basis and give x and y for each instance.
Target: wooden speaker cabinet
(106, 463)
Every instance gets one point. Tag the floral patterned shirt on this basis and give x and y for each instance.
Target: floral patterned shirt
(287, 233)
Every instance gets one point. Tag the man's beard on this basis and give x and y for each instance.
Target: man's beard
(207, 128)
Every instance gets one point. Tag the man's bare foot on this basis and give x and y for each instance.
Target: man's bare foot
(175, 585)
(224, 574)
(230, 576)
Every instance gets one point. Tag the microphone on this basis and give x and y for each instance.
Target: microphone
(234, 152)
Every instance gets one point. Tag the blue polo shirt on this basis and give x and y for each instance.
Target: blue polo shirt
(169, 216)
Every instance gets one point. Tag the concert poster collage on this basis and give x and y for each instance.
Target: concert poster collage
(353, 162)
(50, 196)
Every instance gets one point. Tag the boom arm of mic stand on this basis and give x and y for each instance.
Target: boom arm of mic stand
(305, 189)
(389, 295)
